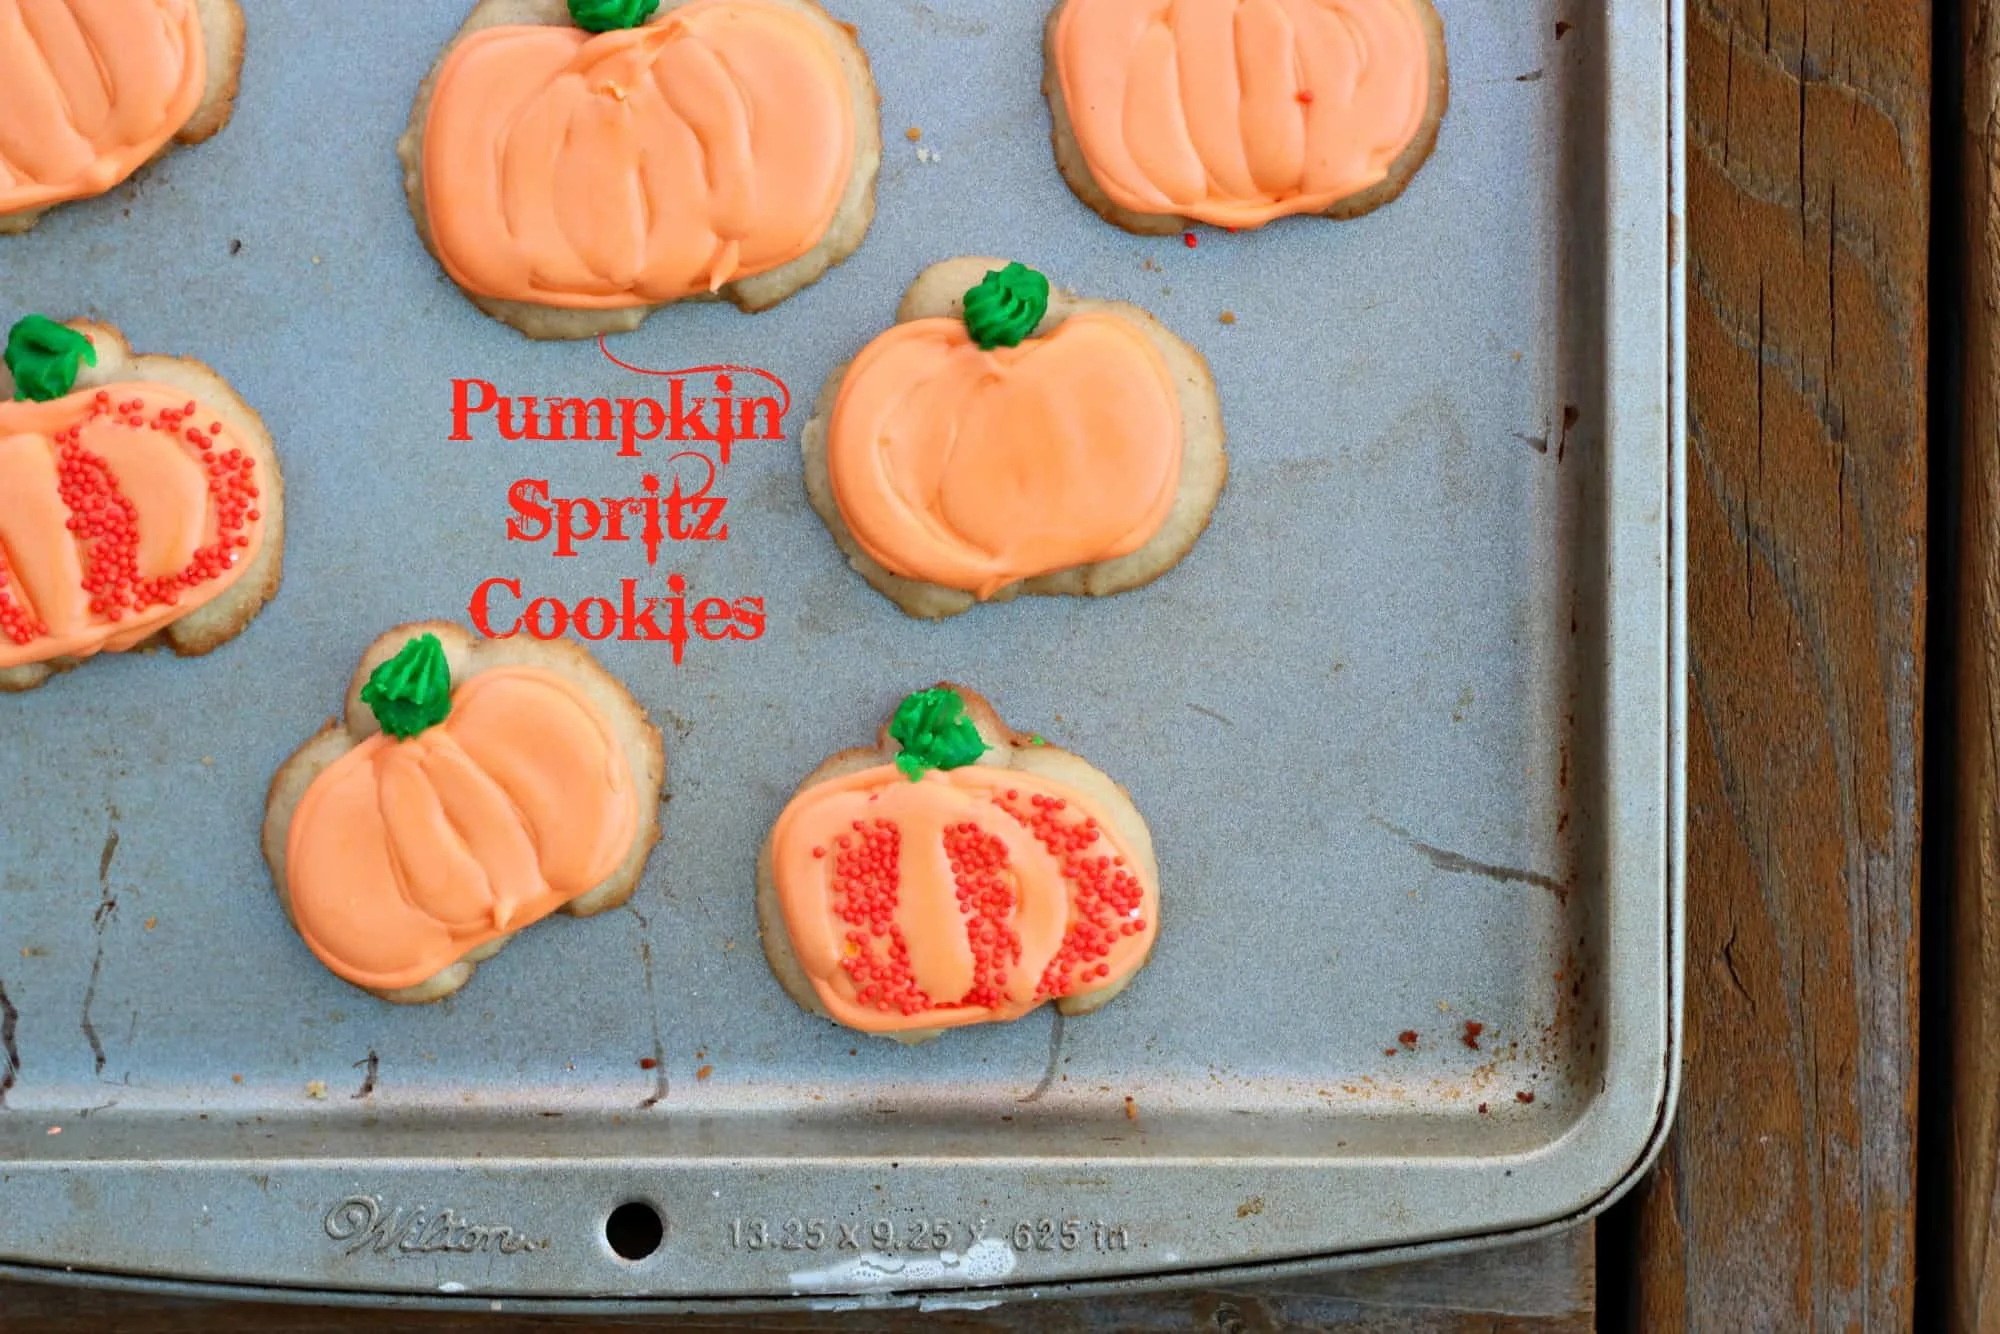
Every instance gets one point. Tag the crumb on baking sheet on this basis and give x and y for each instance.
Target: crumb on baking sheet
(236, 1079)
(1482, 1109)
(152, 922)
(316, 1089)
(704, 1072)
(1131, 1108)
(34, 952)
(1471, 1035)
(55, 1130)
(1408, 1037)
(1524, 1097)
(208, 761)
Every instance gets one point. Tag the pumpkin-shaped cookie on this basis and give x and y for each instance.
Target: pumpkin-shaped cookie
(92, 89)
(140, 501)
(1003, 439)
(957, 873)
(1238, 112)
(476, 787)
(573, 178)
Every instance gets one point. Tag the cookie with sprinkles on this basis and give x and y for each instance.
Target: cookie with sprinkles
(957, 872)
(140, 502)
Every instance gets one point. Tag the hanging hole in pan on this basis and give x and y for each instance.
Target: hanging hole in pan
(634, 1230)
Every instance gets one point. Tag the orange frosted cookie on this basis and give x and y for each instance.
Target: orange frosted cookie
(575, 165)
(140, 502)
(476, 787)
(1002, 438)
(90, 90)
(958, 872)
(1239, 112)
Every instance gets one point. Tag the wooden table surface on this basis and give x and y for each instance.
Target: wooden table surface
(1788, 1198)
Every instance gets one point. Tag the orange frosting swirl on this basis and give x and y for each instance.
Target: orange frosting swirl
(974, 469)
(636, 166)
(404, 856)
(971, 895)
(89, 90)
(165, 508)
(1236, 112)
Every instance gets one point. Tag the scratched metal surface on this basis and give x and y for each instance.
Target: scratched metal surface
(1405, 725)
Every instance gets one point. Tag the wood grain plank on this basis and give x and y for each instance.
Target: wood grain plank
(1788, 1189)
(1971, 1179)
(1544, 1287)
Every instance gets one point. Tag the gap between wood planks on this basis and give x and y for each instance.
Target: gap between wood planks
(1935, 1285)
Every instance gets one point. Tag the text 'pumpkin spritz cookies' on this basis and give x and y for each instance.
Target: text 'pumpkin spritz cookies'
(1239, 112)
(140, 503)
(958, 872)
(475, 787)
(91, 90)
(1002, 438)
(574, 166)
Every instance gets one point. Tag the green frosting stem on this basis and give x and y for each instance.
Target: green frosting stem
(934, 733)
(607, 15)
(1006, 306)
(44, 357)
(411, 691)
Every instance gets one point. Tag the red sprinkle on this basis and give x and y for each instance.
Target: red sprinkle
(105, 523)
(979, 868)
(1306, 96)
(1472, 1032)
(1105, 897)
(1189, 238)
(647, 1063)
(865, 884)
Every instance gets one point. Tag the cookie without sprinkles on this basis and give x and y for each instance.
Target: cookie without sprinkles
(1167, 112)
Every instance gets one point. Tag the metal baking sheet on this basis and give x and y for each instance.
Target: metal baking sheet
(1406, 725)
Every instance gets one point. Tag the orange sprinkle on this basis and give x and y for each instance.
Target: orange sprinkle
(913, 134)
(704, 1072)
